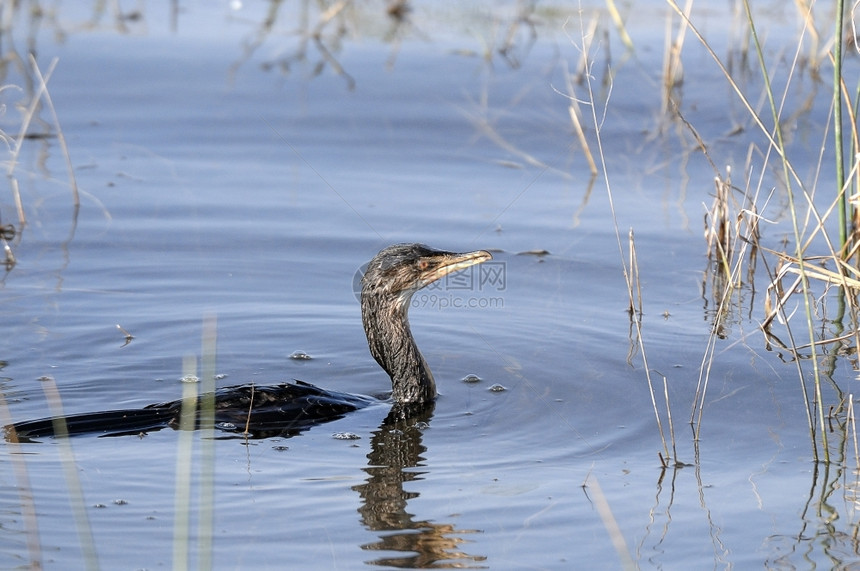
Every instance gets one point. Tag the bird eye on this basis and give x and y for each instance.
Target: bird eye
(423, 265)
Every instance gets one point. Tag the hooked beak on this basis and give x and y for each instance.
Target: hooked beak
(440, 266)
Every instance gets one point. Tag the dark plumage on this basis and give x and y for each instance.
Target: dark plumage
(389, 281)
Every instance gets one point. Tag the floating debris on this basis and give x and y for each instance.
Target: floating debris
(190, 379)
(128, 336)
(470, 378)
(280, 448)
(300, 356)
(120, 502)
(225, 426)
(534, 253)
(497, 388)
(345, 436)
(220, 376)
(38, 136)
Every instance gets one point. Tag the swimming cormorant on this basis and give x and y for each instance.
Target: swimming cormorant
(389, 281)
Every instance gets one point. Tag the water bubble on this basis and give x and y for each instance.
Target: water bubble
(345, 436)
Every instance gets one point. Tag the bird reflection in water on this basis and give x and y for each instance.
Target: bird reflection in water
(396, 448)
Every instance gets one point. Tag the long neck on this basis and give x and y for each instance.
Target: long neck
(391, 344)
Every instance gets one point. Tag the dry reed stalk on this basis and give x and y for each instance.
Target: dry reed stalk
(41, 94)
(27, 118)
(573, 106)
(22, 485)
(206, 508)
(827, 276)
(732, 235)
(845, 277)
(852, 423)
(609, 523)
(790, 177)
(619, 24)
(184, 459)
(629, 269)
(70, 471)
(718, 227)
(789, 174)
(669, 419)
(750, 108)
(43, 88)
(250, 410)
(804, 8)
(775, 309)
(635, 301)
(635, 310)
(673, 70)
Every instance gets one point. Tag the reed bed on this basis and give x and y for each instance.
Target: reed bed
(810, 308)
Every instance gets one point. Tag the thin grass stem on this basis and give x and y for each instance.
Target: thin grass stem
(182, 490)
(669, 418)
(22, 484)
(610, 523)
(852, 425)
(597, 123)
(619, 24)
(70, 470)
(206, 511)
(60, 137)
(636, 318)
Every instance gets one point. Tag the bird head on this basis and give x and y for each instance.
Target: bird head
(398, 271)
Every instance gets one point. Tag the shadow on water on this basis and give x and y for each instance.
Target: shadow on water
(396, 450)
